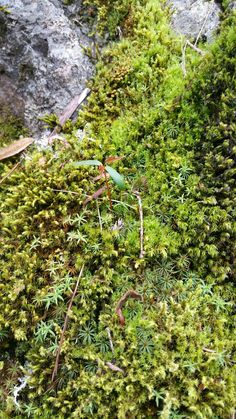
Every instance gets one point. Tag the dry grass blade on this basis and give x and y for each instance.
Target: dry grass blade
(72, 106)
(68, 112)
(10, 172)
(55, 370)
(15, 148)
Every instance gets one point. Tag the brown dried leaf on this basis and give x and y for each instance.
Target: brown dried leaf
(95, 195)
(15, 148)
(114, 367)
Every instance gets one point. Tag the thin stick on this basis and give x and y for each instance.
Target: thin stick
(110, 339)
(99, 216)
(137, 194)
(202, 27)
(193, 46)
(10, 172)
(55, 370)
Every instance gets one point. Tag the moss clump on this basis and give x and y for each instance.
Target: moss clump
(176, 351)
(11, 127)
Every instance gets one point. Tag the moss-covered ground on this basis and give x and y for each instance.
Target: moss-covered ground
(176, 351)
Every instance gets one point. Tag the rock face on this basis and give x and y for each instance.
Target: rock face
(42, 61)
(189, 16)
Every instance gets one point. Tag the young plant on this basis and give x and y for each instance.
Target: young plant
(106, 171)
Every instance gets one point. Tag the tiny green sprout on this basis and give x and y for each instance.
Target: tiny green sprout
(106, 171)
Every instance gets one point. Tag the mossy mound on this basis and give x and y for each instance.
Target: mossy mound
(175, 356)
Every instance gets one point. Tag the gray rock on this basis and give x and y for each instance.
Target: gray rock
(189, 15)
(42, 61)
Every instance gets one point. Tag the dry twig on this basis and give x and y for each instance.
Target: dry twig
(137, 194)
(202, 27)
(121, 302)
(193, 46)
(55, 370)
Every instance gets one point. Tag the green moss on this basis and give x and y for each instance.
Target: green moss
(11, 128)
(176, 136)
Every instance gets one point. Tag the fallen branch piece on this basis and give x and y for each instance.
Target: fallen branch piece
(15, 148)
(121, 302)
(55, 370)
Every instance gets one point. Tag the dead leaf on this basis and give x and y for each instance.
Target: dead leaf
(15, 148)
(114, 367)
(95, 195)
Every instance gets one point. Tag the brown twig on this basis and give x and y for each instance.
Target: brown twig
(121, 302)
(55, 370)
(137, 194)
(10, 172)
